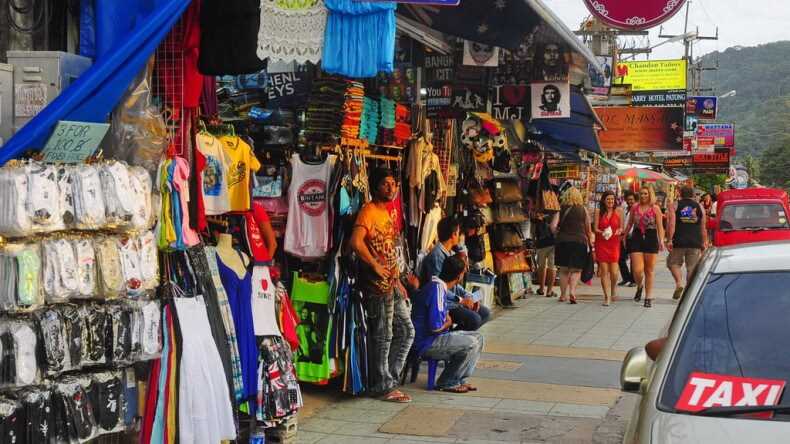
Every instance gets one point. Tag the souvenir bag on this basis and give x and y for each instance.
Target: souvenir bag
(549, 200)
(479, 195)
(506, 262)
(507, 191)
(507, 237)
(510, 213)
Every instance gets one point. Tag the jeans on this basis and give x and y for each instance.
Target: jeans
(460, 350)
(469, 320)
(390, 335)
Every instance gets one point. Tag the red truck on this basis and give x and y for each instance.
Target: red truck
(750, 215)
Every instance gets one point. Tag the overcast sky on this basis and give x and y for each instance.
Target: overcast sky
(740, 22)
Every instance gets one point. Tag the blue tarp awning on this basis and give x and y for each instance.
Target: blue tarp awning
(94, 95)
(577, 132)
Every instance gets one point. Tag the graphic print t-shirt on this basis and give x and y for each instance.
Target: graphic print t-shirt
(381, 239)
(688, 217)
(241, 161)
(213, 177)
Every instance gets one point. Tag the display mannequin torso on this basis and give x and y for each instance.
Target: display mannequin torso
(232, 258)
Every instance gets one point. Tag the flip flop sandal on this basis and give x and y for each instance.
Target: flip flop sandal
(397, 396)
(456, 389)
(471, 388)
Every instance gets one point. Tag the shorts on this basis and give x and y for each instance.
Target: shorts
(690, 256)
(571, 255)
(646, 242)
(545, 257)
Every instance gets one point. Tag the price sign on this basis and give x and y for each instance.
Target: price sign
(73, 142)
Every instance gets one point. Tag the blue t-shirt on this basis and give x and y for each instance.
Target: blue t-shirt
(428, 313)
(432, 266)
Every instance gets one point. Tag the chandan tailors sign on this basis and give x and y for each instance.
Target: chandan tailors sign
(653, 75)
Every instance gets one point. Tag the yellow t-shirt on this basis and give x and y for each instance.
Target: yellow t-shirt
(241, 161)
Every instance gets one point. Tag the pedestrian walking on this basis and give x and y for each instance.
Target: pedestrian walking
(686, 238)
(574, 237)
(625, 272)
(646, 240)
(544, 244)
(607, 226)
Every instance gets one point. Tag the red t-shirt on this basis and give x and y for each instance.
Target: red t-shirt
(255, 219)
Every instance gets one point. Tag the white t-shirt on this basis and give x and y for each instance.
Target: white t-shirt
(307, 233)
(213, 181)
(264, 311)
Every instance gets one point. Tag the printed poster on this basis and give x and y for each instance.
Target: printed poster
(480, 54)
(551, 100)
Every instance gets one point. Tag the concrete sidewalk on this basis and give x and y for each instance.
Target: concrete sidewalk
(549, 374)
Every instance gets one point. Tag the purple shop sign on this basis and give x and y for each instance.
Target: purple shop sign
(723, 133)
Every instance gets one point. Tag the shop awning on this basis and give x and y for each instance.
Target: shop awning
(576, 132)
(506, 26)
(93, 96)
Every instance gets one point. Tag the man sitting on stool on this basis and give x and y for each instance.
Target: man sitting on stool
(467, 314)
(432, 323)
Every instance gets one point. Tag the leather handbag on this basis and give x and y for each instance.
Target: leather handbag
(549, 201)
(511, 213)
(507, 191)
(479, 196)
(508, 237)
(476, 248)
(506, 262)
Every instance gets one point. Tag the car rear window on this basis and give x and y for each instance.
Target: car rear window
(753, 216)
(739, 327)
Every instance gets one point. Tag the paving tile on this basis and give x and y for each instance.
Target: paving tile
(579, 411)
(357, 415)
(305, 437)
(320, 425)
(414, 439)
(340, 439)
(518, 405)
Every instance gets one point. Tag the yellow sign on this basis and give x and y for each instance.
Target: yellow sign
(652, 75)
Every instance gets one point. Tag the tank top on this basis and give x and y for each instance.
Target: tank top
(264, 313)
(307, 232)
(644, 220)
(572, 229)
(688, 217)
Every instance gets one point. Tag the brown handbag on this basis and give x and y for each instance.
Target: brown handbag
(549, 201)
(480, 196)
(510, 213)
(506, 262)
(507, 191)
(507, 237)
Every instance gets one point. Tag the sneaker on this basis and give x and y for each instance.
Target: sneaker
(678, 293)
(638, 295)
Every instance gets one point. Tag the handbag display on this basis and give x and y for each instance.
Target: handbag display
(549, 201)
(506, 262)
(507, 191)
(511, 213)
(480, 196)
(508, 237)
(476, 248)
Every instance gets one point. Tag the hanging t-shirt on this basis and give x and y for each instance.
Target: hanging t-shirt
(381, 239)
(264, 312)
(241, 160)
(213, 180)
(307, 233)
(312, 360)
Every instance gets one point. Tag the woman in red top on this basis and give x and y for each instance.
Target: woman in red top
(607, 224)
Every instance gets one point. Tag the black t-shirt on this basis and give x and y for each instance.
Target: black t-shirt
(543, 235)
(688, 217)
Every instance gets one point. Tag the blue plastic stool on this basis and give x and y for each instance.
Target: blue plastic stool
(432, 364)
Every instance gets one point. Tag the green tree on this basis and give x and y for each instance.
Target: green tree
(706, 182)
(775, 165)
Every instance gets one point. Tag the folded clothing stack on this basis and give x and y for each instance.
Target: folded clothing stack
(352, 109)
(387, 113)
(325, 109)
(369, 126)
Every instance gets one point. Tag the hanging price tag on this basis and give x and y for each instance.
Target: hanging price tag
(73, 142)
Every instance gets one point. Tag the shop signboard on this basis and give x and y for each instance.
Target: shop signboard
(600, 82)
(633, 15)
(439, 67)
(73, 142)
(717, 162)
(418, 2)
(634, 129)
(689, 144)
(550, 100)
(702, 107)
(691, 124)
(438, 98)
(705, 144)
(510, 102)
(659, 98)
(723, 133)
(285, 89)
(677, 162)
(653, 75)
